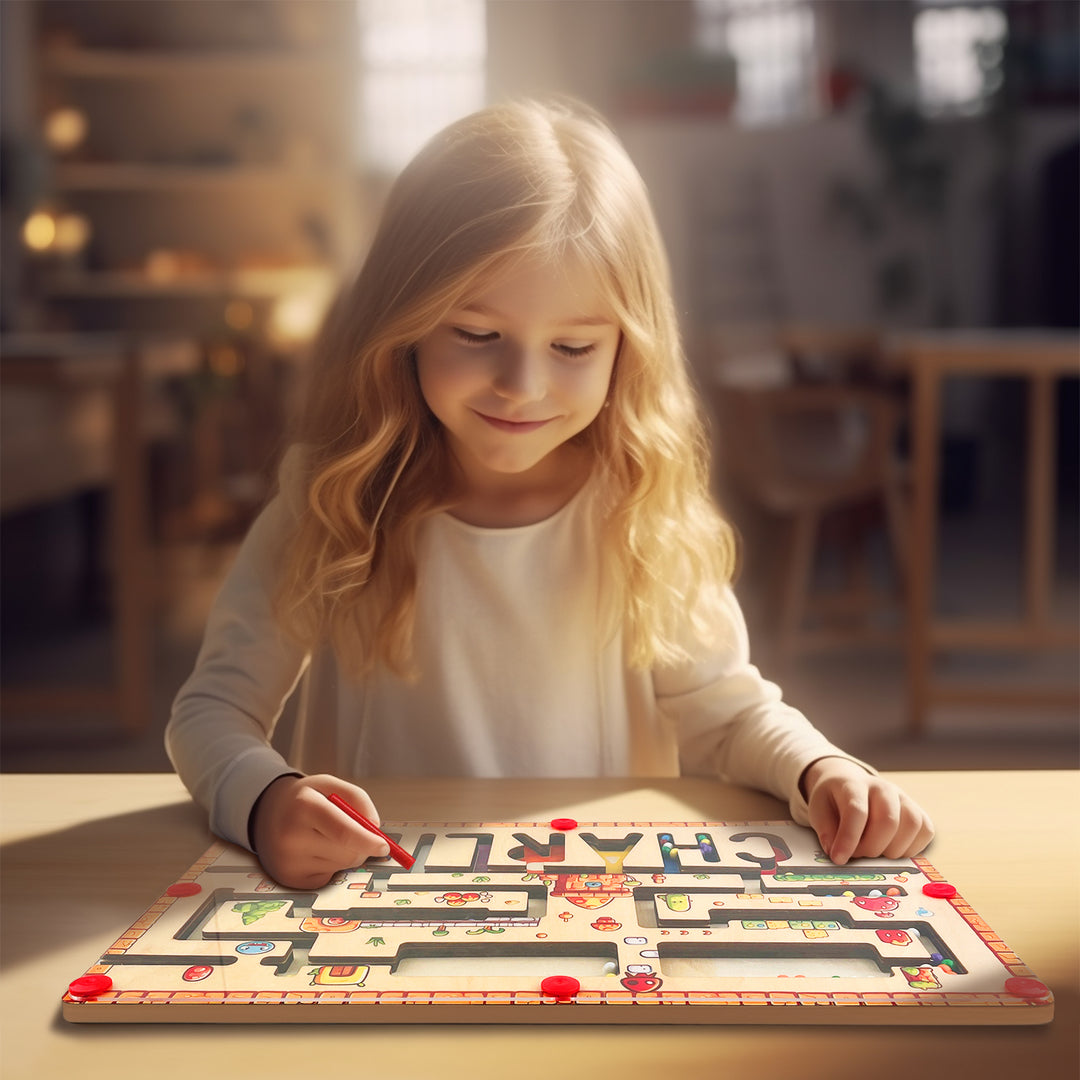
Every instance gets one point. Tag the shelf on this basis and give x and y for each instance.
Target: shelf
(165, 64)
(131, 285)
(217, 159)
(139, 177)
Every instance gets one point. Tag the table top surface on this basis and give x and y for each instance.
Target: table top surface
(986, 352)
(1019, 336)
(83, 855)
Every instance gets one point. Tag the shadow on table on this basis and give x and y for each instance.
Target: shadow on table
(67, 860)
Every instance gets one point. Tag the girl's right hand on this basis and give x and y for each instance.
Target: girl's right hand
(302, 839)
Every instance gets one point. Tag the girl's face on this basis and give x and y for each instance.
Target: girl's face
(516, 371)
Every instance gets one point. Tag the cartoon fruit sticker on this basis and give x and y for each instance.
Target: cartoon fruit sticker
(894, 937)
(882, 906)
(197, 972)
(642, 984)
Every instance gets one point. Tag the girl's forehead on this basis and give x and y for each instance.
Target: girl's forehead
(570, 286)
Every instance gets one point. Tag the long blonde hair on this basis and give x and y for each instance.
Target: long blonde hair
(510, 180)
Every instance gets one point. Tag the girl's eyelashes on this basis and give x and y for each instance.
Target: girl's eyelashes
(575, 351)
(472, 337)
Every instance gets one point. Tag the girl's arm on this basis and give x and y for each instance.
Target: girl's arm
(731, 722)
(224, 716)
(218, 737)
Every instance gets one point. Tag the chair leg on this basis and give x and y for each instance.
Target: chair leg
(857, 600)
(899, 532)
(797, 580)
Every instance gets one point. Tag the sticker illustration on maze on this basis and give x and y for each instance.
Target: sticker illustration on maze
(702, 923)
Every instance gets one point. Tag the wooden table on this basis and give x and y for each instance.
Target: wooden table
(1039, 358)
(83, 855)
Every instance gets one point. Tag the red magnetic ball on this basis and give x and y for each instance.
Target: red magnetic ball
(89, 986)
(562, 987)
(1026, 988)
(184, 888)
(940, 890)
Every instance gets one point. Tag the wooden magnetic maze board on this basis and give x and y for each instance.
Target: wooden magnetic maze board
(601, 922)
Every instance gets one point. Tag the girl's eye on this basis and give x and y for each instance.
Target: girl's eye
(471, 338)
(576, 351)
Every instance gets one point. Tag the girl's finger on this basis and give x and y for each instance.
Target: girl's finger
(853, 811)
(883, 821)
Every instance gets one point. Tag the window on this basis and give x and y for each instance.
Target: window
(421, 66)
(772, 42)
(958, 56)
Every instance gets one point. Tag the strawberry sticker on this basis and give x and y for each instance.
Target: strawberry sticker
(882, 906)
(894, 937)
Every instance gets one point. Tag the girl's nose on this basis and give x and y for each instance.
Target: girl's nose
(521, 376)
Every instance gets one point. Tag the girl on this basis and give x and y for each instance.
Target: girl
(493, 550)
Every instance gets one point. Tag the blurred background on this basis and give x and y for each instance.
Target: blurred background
(871, 213)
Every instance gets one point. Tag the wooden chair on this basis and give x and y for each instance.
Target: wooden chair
(803, 453)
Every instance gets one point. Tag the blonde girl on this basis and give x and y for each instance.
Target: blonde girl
(493, 551)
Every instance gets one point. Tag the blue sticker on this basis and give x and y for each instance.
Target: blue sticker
(250, 947)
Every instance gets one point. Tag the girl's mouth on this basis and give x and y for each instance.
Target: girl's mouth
(519, 427)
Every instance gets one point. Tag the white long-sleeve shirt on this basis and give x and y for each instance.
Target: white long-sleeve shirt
(516, 679)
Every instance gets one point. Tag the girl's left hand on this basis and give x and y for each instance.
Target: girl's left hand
(858, 815)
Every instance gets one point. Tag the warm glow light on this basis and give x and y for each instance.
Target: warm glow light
(295, 317)
(39, 231)
(72, 233)
(65, 129)
(225, 361)
(162, 266)
(421, 66)
(239, 315)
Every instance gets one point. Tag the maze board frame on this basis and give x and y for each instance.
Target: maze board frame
(698, 918)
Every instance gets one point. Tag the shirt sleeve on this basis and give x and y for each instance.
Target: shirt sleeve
(733, 723)
(218, 736)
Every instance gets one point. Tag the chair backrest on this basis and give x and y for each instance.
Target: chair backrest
(796, 445)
